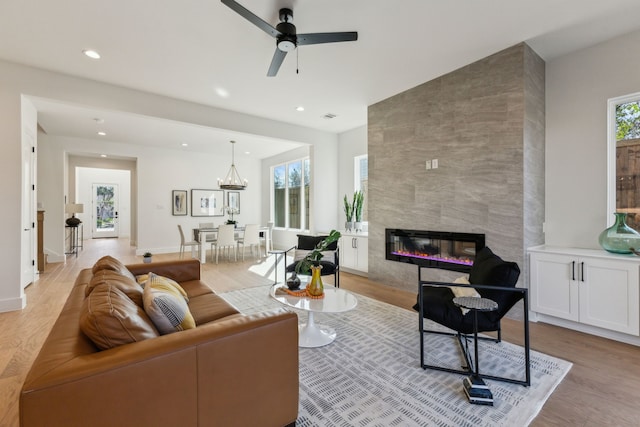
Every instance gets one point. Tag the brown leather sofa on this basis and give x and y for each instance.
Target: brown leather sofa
(230, 370)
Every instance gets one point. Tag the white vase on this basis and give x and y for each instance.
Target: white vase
(146, 259)
(357, 225)
(348, 226)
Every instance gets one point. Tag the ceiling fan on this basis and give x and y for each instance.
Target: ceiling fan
(285, 34)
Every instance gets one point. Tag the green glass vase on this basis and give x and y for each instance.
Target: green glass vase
(620, 238)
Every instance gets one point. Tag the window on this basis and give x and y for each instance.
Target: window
(624, 158)
(291, 183)
(361, 181)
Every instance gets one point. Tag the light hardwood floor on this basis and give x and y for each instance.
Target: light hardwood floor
(600, 390)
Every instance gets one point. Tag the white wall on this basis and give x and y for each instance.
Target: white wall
(154, 183)
(577, 89)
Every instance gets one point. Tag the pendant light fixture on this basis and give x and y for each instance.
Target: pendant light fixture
(232, 181)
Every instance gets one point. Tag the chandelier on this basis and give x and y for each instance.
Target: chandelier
(232, 181)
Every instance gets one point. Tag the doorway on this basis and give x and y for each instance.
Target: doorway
(104, 221)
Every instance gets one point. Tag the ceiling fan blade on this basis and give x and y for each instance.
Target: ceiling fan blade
(276, 62)
(249, 16)
(317, 38)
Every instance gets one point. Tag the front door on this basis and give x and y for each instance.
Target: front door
(105, 211)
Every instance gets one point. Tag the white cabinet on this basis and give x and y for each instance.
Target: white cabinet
(354, 252)
(589, 287)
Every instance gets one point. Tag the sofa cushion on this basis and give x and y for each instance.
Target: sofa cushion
(109, 318)
(110, 263)
(209, 307)
(123, 283)
(195, 288)
(166, 305)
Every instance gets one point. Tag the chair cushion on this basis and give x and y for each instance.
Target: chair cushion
(327, 268)
(110, 319)
(490, 270)
(166, 306)
(310, 242)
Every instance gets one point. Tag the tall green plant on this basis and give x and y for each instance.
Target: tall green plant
(358, 201)
(348, 209)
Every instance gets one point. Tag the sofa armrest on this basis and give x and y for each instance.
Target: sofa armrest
(178, 270)
(211, 371)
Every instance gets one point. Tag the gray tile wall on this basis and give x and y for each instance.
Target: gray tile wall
(485, 125)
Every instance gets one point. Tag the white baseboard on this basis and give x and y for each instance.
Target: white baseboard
(588, 329)
(13, 304)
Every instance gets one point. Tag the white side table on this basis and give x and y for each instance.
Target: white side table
(312, 334)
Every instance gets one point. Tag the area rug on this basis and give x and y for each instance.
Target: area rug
(371, 375)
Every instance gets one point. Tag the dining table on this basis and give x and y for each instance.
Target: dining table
(200, 235)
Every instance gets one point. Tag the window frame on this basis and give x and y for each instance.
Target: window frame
(611, 151)
(305, 163)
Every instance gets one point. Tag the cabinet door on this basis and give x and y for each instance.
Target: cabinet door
(362, 245)
(347, 252)
(554, 285)
(609, 295)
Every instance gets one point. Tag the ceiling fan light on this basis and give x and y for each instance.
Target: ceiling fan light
(286, 45)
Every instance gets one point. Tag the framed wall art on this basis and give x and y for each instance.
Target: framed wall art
(207, 202)
(233, 201)
(179, 202)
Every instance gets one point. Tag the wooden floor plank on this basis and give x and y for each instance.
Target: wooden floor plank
(600, 390)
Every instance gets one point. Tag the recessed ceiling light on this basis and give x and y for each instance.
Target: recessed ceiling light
(103, 155)
(247, 152)
(184, 144)
(91, 53)
(102, 133)
(300, 108)
(223, 93)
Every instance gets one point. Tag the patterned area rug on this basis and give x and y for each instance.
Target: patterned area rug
(371, 375)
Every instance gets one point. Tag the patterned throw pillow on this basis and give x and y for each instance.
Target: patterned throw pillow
(144, 278)
(166, 305)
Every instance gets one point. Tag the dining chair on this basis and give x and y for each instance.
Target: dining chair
(268, 244)
(210, 237)
(251, 238)
(191, 243)
(226, 239)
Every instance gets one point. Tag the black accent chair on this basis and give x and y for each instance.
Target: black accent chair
(492, 278)
(330, 261)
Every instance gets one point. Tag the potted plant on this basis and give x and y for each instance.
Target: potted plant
(358, 201)
(348, 212)
(232, 211)
(146, 257)
(312, 262)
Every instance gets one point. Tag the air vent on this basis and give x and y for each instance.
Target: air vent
(329, 116)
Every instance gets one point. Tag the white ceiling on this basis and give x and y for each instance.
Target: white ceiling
(190, 48)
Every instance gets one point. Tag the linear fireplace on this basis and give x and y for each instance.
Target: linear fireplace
(433, 249)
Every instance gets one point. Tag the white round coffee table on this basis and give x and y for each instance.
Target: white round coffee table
(312, 334)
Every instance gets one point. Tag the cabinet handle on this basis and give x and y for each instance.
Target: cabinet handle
(573, 270)
(582, 271)
(353, 243)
